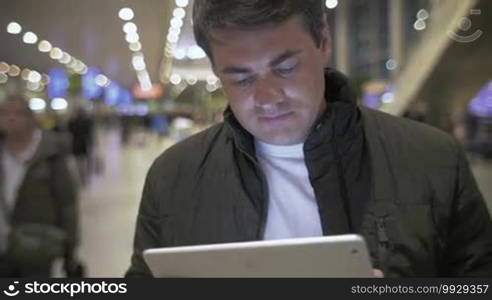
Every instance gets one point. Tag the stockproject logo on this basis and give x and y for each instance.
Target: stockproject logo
(465, 24)
(12, 290)
(64, 288)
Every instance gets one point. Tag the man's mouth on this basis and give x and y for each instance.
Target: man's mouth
(275, 117)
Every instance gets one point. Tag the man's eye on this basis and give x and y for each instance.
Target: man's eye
(244, 82)
(285, 71)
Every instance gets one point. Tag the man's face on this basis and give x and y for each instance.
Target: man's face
(15, 119)
(273, 77)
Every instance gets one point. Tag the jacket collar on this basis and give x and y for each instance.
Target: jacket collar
(337, 90)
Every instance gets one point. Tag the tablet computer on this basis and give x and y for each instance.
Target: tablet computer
(328, 256)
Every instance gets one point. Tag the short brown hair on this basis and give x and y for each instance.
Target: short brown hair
(210, 14)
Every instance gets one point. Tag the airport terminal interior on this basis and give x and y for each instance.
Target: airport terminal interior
(133, 71)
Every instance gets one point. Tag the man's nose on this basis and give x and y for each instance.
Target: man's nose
(268, 93)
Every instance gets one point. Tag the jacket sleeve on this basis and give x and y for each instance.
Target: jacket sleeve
(469, 248)
(66, 189)
(146, 231)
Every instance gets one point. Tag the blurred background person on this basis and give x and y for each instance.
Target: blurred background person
(81, 127)
(38, 198)
(397, 53)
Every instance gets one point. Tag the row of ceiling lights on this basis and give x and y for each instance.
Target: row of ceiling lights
(213, 82)
(55, 53)
(192, 52)
(422, 16)
(35, 80)
(38, 104)
(133, 39)
(175, 28)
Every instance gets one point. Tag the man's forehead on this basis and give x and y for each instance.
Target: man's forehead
(14, 105)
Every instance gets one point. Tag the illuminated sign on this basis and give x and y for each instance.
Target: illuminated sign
(58, 85)
(90, 89)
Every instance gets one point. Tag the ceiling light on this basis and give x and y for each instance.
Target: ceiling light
(191, 80)
(419, 25)
(126, 14)
(180, 54)
(37, 104)
(59, 104)
(144, 80)
(83, 70)
(14, 28)
(45, 79)
(72, 63)
(179, 13)
(79, 66)
(195, 52)
(211, 88)
(34, 86)
(172, 38)
(135, 46)
(138, 62)
(4, 67)
(25, 73)
(423, 14)
(175, 79)
(175, 30)
(30, 38)
(101, 80)
(44, 46)
(34, 76)
(129, 27)
(75, 63)
(212, 80)
(14, 71)
(66, 58)
(132, 37)
(331, 4)
(176, 23)
(387, 97)
(170, 47)
(3, 78)
(391, 64)
(56, 53)
(182, 3)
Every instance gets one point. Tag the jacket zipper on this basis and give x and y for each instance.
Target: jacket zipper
(264, 212)
(383, 241)
(343, 188)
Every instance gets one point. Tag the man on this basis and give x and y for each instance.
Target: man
(38, 196)
(296, 157)
(81, 128)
